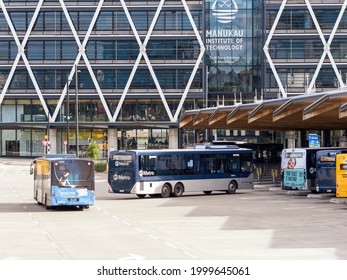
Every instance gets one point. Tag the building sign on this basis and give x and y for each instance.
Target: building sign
(313, 140)
(224, 35)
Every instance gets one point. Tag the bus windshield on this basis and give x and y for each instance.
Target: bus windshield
(72, 173)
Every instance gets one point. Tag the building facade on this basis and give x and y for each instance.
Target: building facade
(121, 72)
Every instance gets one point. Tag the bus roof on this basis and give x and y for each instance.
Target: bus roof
(53, 157)
(59, 156)
(183, 151)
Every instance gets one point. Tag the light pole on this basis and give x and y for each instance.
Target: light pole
(76, 94)
(68, 118)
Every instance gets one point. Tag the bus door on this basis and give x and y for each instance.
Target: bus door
(326, 171)
(121, 175)
(341, 175)
(246, 164)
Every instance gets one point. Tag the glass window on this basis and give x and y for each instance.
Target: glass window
(52, 21)
(19, 20)
(104, 50)
(140, 19)
(4, 50)
(105, 21)
(74, 18)
(8, 112)
(84, 20)
(105, 78)
(122, 78)
(69, 49)
(34, 50)
(160, 24)
(91, 49)
(13, 50)
(38, 26)
(122, 22)
(52, 50)
(3, 23)
(172, 20)
(122, 50)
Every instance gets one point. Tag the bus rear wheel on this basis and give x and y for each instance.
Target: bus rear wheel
(165, 191)
(232, 187)
(207, 192)
(178, 189)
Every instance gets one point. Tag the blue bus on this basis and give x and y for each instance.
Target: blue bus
(63, 180)
(326, 171)
(165, 173)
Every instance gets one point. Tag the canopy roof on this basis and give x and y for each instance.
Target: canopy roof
(327, 110)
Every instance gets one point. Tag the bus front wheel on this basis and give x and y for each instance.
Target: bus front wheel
(178, 189)
(141, 195)
(232, 187)
(165, 191)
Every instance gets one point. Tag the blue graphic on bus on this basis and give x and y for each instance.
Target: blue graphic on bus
(72, 196)
(294, 178)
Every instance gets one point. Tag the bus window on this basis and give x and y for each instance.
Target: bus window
(187, 164)
(68, 173)
(168, 165)
(234, 164)
(148, 163)
(246, 163)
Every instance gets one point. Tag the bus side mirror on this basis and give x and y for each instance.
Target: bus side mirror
(32, 165)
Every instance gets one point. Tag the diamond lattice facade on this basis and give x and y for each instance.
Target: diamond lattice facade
(132, 67)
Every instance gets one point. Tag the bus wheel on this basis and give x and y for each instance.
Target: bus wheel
(165, 191)
(141, 195)
(232, 187)
(207, 192)
(178, 190)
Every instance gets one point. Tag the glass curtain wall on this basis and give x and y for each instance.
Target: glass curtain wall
(231, 67)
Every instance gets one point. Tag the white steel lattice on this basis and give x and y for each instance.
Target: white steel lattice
(82, 54)
(325, 50)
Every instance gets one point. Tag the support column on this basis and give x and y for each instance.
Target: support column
(291, 139)
(52, 141)
(173, 138)
(112, 137)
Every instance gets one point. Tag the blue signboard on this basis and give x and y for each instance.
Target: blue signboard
(313, 140)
